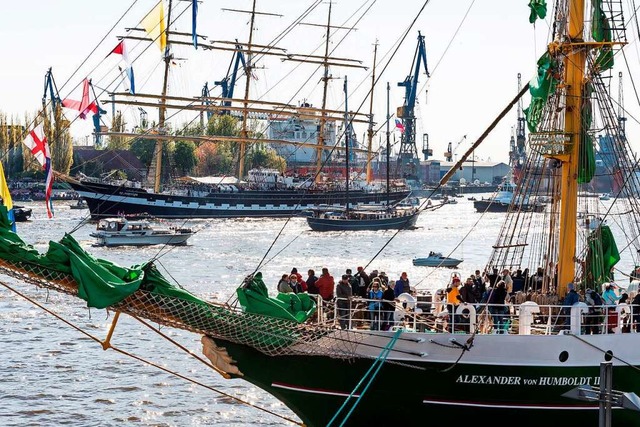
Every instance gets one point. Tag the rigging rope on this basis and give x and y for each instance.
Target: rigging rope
(148, 362)
(371, 373)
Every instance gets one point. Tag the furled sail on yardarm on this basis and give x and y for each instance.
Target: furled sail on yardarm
(535, 360)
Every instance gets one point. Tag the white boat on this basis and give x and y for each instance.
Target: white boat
(436, 259)
(120, 231)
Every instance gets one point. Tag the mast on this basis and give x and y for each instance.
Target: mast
(155, 171)
(325, 81)
(245, 113)
(388, 143)
(574, 62)
(370, 130)
(346, 139)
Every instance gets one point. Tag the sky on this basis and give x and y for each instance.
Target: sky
(475, 50)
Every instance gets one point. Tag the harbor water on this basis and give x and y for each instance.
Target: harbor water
(52, 372)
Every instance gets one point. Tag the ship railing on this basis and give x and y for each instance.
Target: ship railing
(528, 318)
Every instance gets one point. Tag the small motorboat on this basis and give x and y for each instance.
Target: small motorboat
(436, 259)
(21, 213)
(81, 204)
(120, 231)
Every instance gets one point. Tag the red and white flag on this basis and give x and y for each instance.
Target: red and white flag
(37, 143)
(121, 49)
(84, 106)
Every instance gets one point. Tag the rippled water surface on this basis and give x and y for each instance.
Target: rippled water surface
(53, 372)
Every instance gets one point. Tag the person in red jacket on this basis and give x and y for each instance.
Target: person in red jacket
(326, 284)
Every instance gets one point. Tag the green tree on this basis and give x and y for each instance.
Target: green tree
(259, 156)
(143, 149)
(60, 142)
(118, 142)
(185, 157)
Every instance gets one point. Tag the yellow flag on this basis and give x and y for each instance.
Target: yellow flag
(154, 25)
(4, 190)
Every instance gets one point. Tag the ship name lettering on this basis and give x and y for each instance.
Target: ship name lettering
(567, 381)
(486, 379)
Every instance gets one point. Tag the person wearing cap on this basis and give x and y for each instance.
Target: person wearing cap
(402, 285)
(570, 299)
(343, 301)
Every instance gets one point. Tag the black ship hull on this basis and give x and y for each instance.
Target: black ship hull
(344, 224)
(106, 200)
(494, 206)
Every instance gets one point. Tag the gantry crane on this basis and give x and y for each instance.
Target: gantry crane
(408, 160)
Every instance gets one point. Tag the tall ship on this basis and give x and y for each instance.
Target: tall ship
(304, 137)
(550, 354)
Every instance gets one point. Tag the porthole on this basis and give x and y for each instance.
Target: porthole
(608, 356)
(564, 356)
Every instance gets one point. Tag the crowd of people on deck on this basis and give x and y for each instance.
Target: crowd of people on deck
(498, 290)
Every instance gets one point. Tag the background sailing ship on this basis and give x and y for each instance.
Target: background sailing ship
(258, 193)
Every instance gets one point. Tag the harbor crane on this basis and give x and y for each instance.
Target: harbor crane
(228, 83)
(448, 155)
(408, 160)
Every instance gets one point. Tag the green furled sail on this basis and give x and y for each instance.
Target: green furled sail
(603, 255)
(587, 154)
(538, 10)
(601, 32)
(540, 88)
(254, 298)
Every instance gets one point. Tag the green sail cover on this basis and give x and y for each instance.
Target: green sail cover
(254, 298)
(601, 32)
(538, 10)
(540, 88)
(587, 154)
(603, 254)
(100, 282)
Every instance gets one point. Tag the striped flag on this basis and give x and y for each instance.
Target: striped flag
(399, 125)
(121, 49)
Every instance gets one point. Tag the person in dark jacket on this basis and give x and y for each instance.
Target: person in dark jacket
(311, 282)
(402, 285)
(571, 298)
(343, 296)
(497, 307)
(364, 281)
(389, 306)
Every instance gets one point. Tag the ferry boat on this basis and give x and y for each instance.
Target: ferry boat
(121, 231)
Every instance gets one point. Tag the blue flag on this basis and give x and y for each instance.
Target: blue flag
(194, 16)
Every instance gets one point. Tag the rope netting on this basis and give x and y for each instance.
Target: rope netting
(269, 335)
